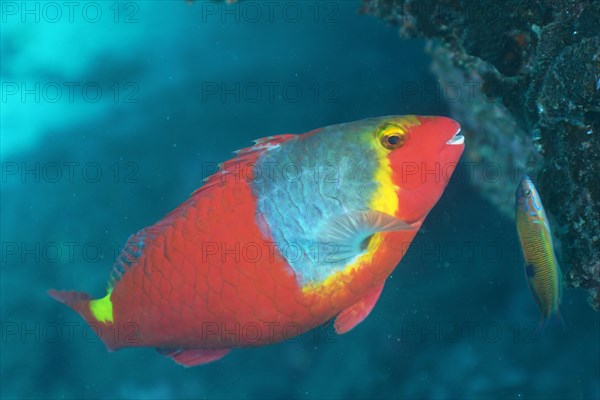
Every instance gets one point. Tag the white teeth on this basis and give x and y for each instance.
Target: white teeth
(456, 139)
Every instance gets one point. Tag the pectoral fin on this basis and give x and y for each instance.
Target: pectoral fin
(349, 232)
(356, 313)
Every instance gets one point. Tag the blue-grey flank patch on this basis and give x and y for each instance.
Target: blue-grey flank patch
(308, 180)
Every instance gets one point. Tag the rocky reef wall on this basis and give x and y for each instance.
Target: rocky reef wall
(530, 78)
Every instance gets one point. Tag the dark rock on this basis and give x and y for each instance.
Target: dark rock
(534, 67)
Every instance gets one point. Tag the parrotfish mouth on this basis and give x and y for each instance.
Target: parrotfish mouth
(456, 139)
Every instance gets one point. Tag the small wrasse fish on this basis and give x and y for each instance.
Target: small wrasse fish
(287, 235)
(541, 266)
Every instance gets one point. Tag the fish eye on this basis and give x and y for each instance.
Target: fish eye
(528, 192)
(393, 140)
(391, 136)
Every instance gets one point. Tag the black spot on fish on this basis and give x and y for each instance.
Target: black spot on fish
(530, 270)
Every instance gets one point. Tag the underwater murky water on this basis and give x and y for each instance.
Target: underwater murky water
(114, 112)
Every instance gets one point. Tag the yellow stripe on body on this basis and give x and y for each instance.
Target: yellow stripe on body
(384, 200)
(538, 251)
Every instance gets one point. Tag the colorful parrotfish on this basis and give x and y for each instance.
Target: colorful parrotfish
(541, 267)
(290, 233)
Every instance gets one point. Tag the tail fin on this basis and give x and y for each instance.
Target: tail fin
(80, 302)
(556, 316)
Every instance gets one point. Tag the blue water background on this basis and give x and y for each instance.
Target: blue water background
(455, 318)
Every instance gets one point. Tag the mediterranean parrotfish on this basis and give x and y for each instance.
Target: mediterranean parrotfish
(290, 233)
(541, 266)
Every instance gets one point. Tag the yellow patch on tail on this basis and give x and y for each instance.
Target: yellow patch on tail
(102, 309)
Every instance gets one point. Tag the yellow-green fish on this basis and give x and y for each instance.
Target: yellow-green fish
(541, 267)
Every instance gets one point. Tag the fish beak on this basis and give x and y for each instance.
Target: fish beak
(456, 139)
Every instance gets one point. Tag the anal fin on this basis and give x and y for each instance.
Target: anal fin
(193, 357)
(356, 313)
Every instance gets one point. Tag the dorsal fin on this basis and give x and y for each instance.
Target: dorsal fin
(129, 255)
(243, 157)
(265, 143)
